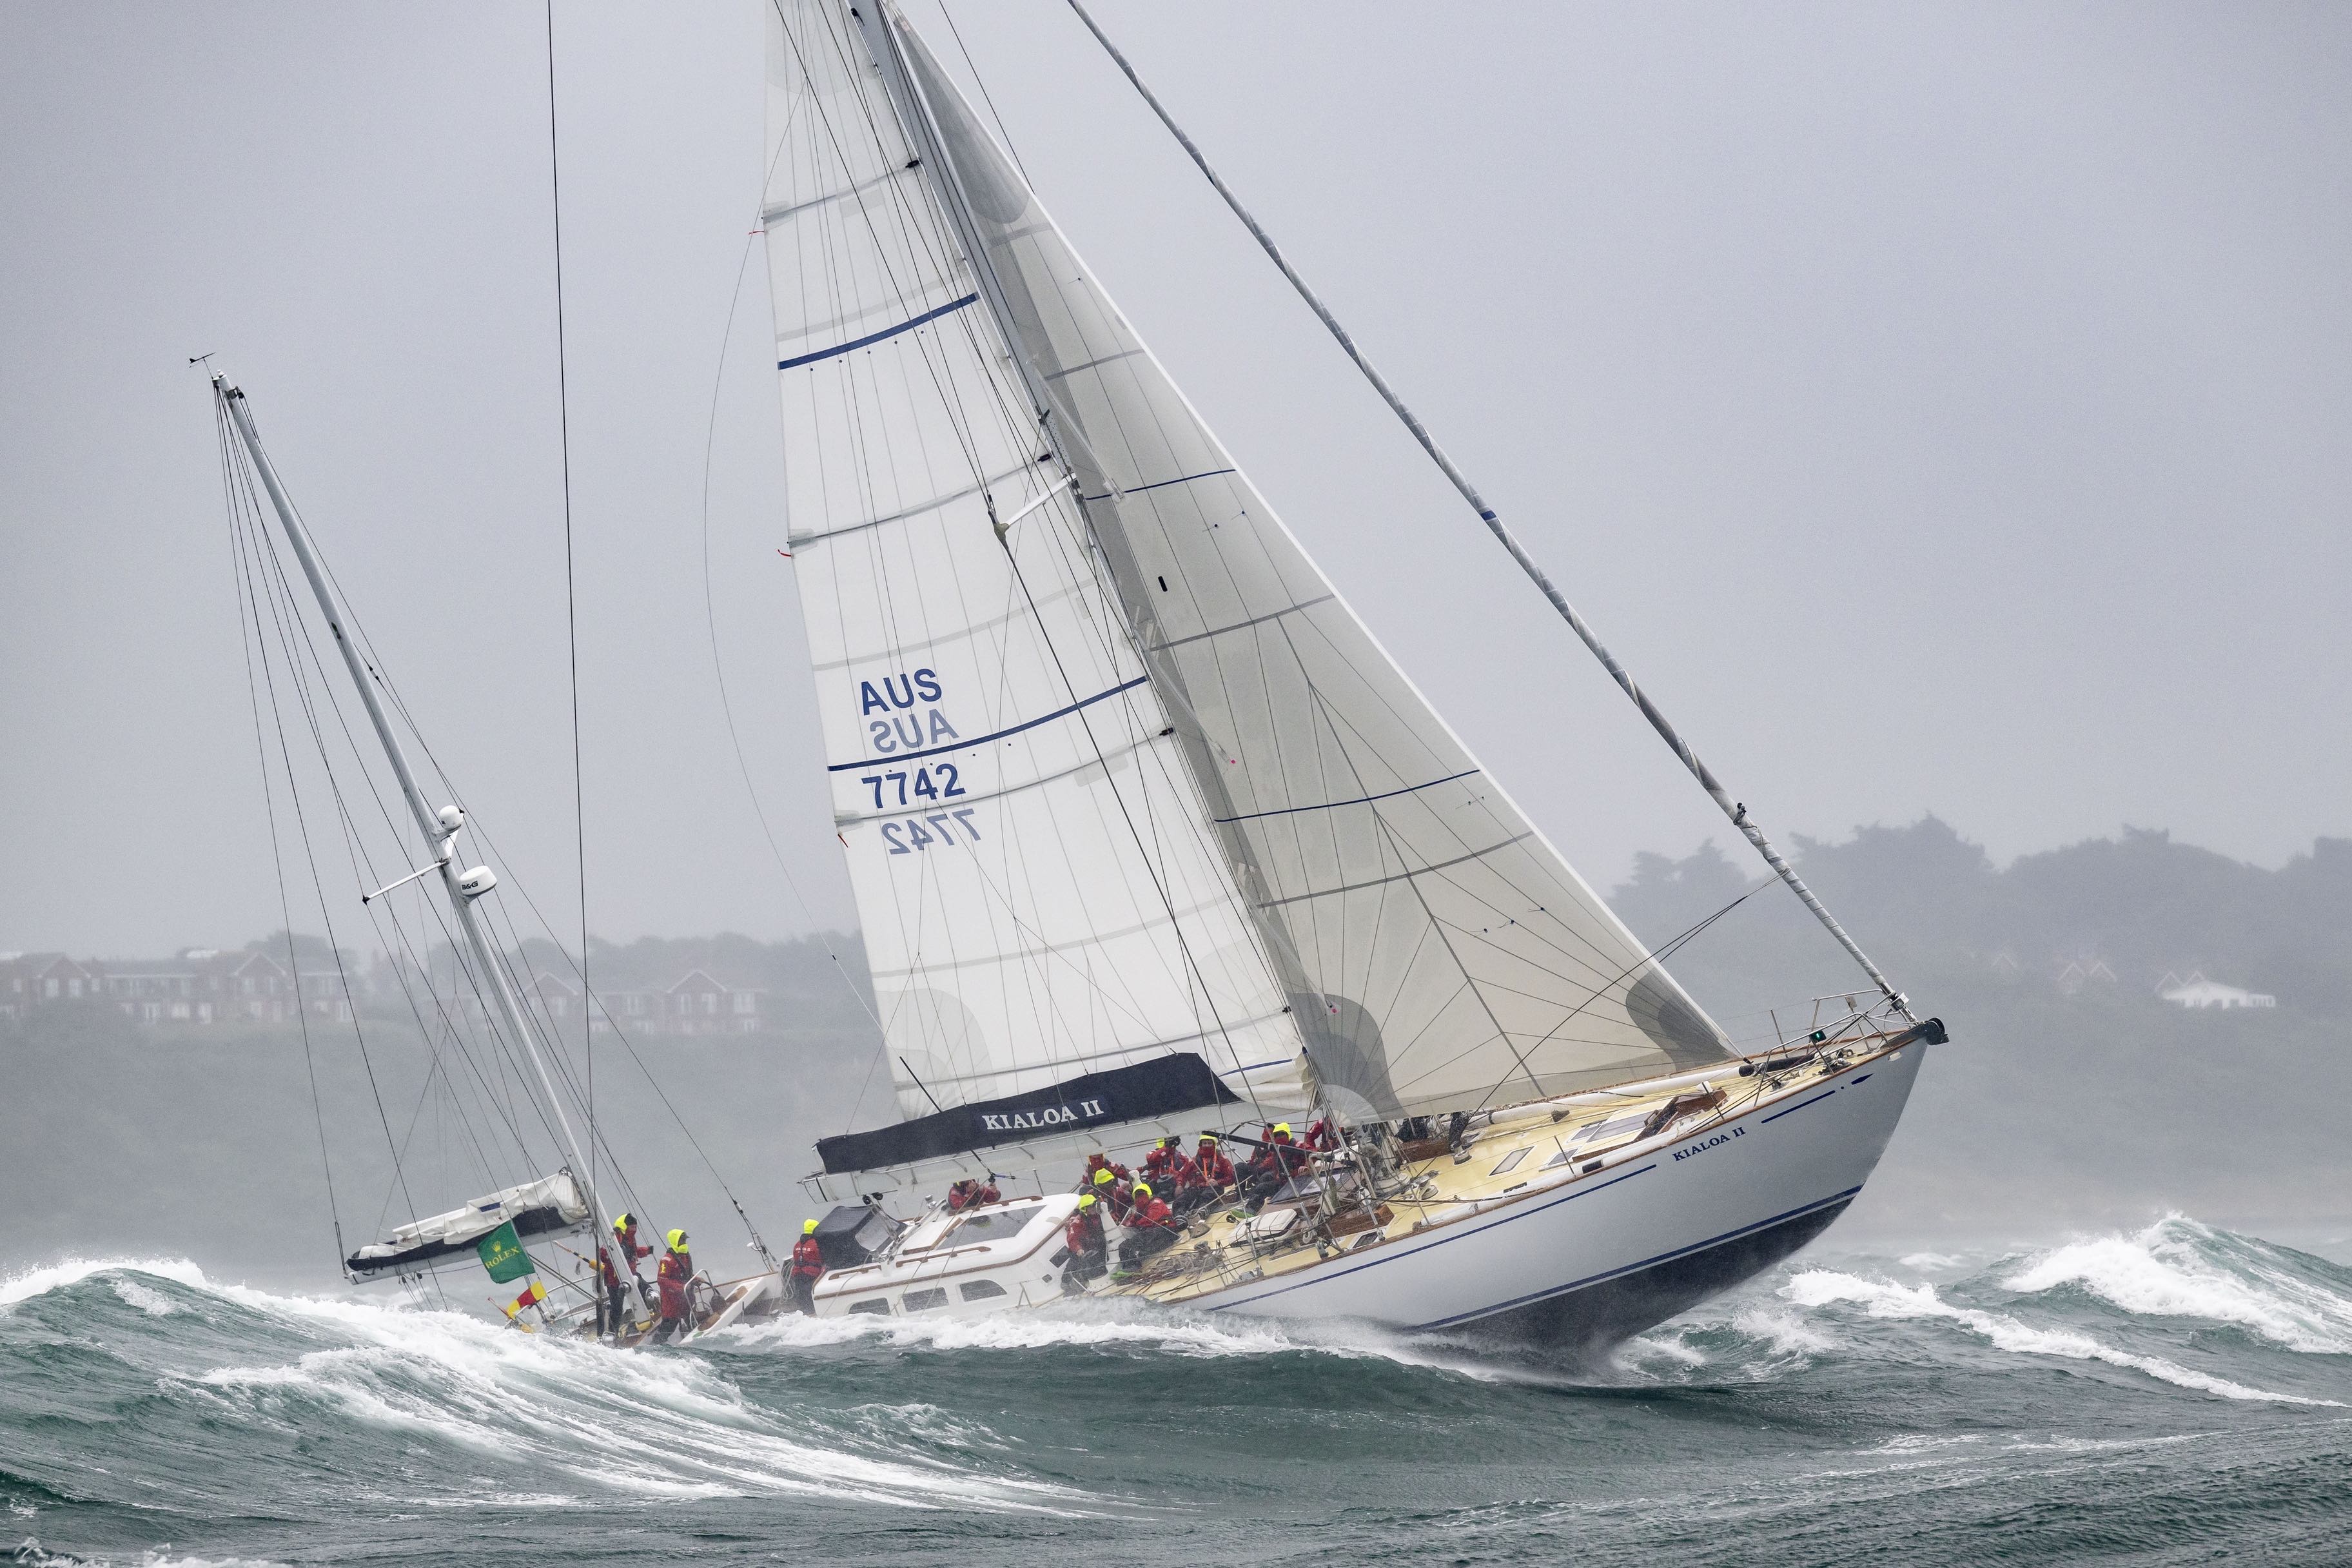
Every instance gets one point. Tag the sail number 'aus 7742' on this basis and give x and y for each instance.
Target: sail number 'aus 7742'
(933, 783)
(913, 786)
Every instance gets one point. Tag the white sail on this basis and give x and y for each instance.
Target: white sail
(1041, 895)
(1438, 950)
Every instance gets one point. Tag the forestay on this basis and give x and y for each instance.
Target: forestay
(1438, 951)
(1041, 894)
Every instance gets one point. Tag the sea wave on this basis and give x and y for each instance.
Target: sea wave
(652, 1425)
(1888, 1299)
(40, 1281)
(2178, 1267)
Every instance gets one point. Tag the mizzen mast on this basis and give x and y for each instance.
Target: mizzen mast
(439, 828)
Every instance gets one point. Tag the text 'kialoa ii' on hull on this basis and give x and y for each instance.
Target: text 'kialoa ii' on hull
(1157, 852)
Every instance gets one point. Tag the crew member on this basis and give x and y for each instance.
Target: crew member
(625, 1236)
(1159, 1165)
(970, 1193)
(612, 1315)
(808, 1266)
(1153, 1227)
(1201, 1177)
(1098, 1162)
(1211, 1169)
(676, 1272)
(1090, 1254)
(1277, 1160)
(1321, 1135)
(1114, 1196)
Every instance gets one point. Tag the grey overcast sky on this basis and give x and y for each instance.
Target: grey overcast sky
(1940, 407)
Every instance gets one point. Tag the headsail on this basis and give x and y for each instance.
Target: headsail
(1433, 947)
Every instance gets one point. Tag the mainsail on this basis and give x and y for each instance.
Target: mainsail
(1217, 818)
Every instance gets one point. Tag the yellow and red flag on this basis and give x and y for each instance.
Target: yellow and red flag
(532, 1295)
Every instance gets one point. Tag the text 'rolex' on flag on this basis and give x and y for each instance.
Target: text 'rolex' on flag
(501, 1253)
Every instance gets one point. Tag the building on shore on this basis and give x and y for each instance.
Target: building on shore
(211, 985)
(2197, 993)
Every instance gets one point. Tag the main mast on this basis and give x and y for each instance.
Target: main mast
(439, 828)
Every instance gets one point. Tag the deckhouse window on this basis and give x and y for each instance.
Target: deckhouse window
(991, 1224)
(924, 1301)
(982, 1289)
(878, 1306)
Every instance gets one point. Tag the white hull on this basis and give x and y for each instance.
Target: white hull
(1611, 1254)
(1573, 1262)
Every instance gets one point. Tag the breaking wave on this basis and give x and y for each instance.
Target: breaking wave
(151, 1415)
(2178, 1268)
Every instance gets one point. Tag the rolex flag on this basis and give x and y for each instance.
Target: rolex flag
(501, 1253)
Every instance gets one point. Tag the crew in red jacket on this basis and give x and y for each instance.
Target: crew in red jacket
(1153, 1227)
(612, 1315)
(1088, 1252)
(1202, 1177)
(808, 1268)
(970, 1193)
(1098, 1162)
(1159, 1165)
(1114, 1196)
(1211, 1169)
(1277, 1160)
(676, 1274)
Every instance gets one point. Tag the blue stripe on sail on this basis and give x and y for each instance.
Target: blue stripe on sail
(1163, 484)
(878, 337)
(1335, 804)
(983, 740)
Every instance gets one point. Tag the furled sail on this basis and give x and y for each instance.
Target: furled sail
(1041, 895)
(1437, 950)
(548, 1205)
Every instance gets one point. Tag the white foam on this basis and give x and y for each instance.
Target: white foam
(1784, 1333)
(48, 1277)
(134, 1294)
(2176, 1268)
(1099, 1325)
(1928, 1262)
(655, 1424)
(1884, 1298)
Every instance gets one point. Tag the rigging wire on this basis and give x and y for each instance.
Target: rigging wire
(571, 593)
(244, 481)
(1737, 811)
(270, 804)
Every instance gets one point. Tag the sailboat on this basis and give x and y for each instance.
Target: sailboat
(562, 1214)
(1149, 836)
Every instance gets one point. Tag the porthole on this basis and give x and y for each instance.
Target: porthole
(982, 1289)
